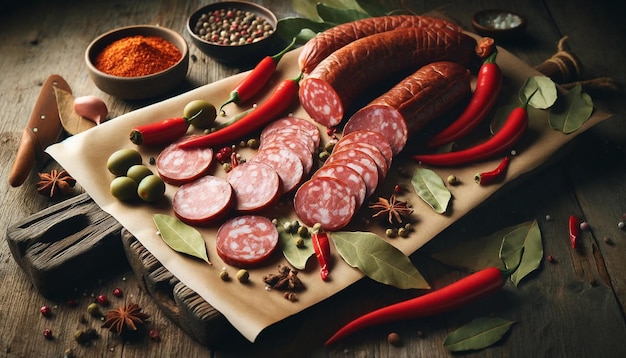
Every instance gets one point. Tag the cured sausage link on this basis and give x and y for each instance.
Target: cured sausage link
(327, 42)
(329, 90)
(413, 103)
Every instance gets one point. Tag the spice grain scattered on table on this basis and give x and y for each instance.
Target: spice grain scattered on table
(136, 56)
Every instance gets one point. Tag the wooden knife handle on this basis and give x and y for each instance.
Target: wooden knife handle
(43, 129)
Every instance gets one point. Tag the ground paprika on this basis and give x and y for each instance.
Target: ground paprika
(136, 56)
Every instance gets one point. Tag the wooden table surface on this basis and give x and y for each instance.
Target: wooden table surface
(574, 307)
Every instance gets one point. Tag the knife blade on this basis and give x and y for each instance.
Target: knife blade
(43, 129)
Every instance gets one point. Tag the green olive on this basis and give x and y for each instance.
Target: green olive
(200, 113)
(138, 171)
(151, 188)
(119, 162)
(123, 188)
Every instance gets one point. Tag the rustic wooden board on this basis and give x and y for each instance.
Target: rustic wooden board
(66, 244)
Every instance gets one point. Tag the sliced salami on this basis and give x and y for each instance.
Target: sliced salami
(362, 163)
(203, 201)
(287, 135)
(286, 163)
(294, 122)
(246, 241)
(326, 201)
(301, 150)
(350, 177)
(178, 166)
(372, 152)
(257, 186)
(370, 137)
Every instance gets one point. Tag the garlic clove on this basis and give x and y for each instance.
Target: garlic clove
(91, 108)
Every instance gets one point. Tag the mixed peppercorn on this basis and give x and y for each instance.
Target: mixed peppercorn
(232, 27)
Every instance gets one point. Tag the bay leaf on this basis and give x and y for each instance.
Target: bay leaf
(378, 259)
(339, 16)
(70, 120)
(542, 89)
(430, 187)
(296, 256)
(571, 111)
(478, 334)
(528, 237)
(181, 237)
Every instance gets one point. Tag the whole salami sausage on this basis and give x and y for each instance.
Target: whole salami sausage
(413, 102)
(326, 201)
(325, 43)
(246, 241)
(203, 201)
(328, 91)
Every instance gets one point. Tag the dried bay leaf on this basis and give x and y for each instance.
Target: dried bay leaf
(378, 259)
(181, 237)
(296, 256)
(430, 187)
(71, 121)
(528, 237)
(478, 334)
(571, 111)
(543, 92)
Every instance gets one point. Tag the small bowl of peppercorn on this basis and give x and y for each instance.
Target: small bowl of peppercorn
(137, 62)
(499, 24)
(234, 32)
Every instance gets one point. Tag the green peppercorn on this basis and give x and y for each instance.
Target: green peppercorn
(253, 143)
(408, 227)
(403, 232)
(287, 226)
(391, 233)
(243, 275)
(299, 242)
(323, 155)
(303, 231)
(224, 275)
(316, 227)
(329, 146)
(452, 179)
(94, 309)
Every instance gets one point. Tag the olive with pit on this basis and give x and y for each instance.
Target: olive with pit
(123, 188)
(138, 171)
(201, 114)
(151, 188)
(120, 161)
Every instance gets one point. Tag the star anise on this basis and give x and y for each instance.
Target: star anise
(55, 183)
(125, 318)
(395, 209)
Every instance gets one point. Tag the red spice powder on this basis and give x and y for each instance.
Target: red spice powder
(136, 56)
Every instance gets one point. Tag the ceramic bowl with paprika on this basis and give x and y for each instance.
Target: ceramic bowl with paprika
(222, 30)
(140, 83)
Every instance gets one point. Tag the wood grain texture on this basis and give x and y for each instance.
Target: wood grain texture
(574, 307)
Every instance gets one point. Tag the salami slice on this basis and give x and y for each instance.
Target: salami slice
(178, 166)
(286, 163)
(326, 201)
(246, 241)
(287, 136)
(348, 176)
(256, 185)
(372, 152)
(362, 163)
(370, 137)
(203, 201)
(301, 150)
(294, 122)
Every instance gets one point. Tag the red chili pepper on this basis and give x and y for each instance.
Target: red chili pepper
(488, 85)
(486, 178)
(458, 294)
(321, 246)
(284, 95)
(256, 79)
(574, 230)
(164, 132)
(511, 132)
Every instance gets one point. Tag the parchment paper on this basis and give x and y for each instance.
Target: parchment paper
(249, 307)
